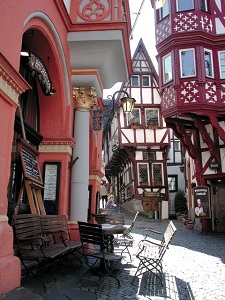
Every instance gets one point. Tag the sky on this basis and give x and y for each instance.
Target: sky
(144, 29)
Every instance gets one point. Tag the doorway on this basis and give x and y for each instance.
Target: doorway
(219, 208)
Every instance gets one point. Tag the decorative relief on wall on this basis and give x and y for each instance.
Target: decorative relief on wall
(168, 97)
(191, 22)
(223, 93)
(189, 92)
(163, 30)
(94, 10)
(210, 92)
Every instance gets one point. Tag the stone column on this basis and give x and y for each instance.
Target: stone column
(84, 99)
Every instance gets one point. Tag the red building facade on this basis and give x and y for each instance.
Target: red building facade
(191, 49)
(46, 101)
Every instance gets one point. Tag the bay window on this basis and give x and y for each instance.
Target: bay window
(187, 63)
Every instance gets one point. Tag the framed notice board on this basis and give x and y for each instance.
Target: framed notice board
(29, 161)
(51, 186)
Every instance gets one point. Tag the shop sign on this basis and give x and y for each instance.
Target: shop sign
(151, 194)
(114, 147)
(214, 165)
(201, 202)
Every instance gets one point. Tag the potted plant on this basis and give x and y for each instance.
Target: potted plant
(190, 224)
(143, 182)
(153, 123)
(135, 125)
(180, 203)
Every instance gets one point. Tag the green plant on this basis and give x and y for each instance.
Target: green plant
(180, 202)
(153, 122)
(135, 124)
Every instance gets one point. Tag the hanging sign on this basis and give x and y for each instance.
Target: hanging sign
(214, 165)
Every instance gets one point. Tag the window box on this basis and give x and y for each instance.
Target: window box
(143, 183)
(135, 125)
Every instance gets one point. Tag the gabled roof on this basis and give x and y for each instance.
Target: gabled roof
(146, 65)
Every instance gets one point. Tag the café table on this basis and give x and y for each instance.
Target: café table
(109, 230)
(100, 218)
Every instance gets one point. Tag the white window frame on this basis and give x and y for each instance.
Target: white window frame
(176, 145)
(133, 119)
(219, 59)
(164, 10)
(138, 78)
(143, 76)
(151, 109)
(153, 178)
(211, 58)
(139, 177)
(181, 65)
(170, 78)
(205, 4)
(177, 4)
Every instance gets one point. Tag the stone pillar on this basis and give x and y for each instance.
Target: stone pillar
(84, 99)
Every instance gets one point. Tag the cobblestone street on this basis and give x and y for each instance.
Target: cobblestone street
(193, 269)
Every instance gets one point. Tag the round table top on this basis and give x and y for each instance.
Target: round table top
(113, 229)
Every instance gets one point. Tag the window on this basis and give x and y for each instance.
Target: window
(222, 64)
(157, 174)
(208, 63)
(145, 81)
(150, 156)
(173, 183)
(176, 145)
(167, 68)
(143, 174)
(205, 5)
(164, 10)
(152, 117)
(183, 5)
(133, 118)
(187, 62)
(135, 80)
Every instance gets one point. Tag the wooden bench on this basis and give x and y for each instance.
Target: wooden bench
(56, 228)
(38, 251)
(151, 253)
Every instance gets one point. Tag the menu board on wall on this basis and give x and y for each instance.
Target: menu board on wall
(51, 181)
(29, 161)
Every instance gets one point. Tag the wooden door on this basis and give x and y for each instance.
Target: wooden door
(219, 209)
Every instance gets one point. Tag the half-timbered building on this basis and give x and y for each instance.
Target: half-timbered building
(190, 40)
(136, 144)
(56, 58)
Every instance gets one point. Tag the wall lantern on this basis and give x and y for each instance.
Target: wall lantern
(104, 116)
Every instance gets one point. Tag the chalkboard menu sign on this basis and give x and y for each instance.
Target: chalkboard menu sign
(29, 162)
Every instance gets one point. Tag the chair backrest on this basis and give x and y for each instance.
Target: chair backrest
(105, 211)
(170, 230)
(91, 233)
(54, 223)
(117, 218)
(167, 237)
(147, 243)
(133, 222)
(26, 226)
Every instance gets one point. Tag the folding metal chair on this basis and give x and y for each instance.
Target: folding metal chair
(126, 240)
(99, 260)
(151, 253)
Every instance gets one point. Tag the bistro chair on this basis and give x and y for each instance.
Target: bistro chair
(96, 247)
(151, 253)
(126, 240)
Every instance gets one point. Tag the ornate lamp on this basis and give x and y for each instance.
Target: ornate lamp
(100, 116)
